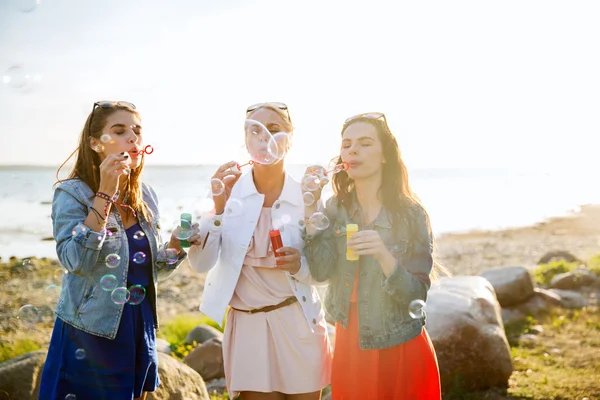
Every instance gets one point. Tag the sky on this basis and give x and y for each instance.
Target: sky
(464, 84)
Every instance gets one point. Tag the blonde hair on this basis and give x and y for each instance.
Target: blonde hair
(284, 114)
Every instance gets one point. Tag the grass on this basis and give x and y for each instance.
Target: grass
(176, 330)
(545, 272)
(563, 363)
(20, 346)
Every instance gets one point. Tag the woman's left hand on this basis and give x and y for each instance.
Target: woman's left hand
(288, 260)
(367, 242)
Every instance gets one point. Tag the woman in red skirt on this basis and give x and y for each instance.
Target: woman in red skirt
(374, 246)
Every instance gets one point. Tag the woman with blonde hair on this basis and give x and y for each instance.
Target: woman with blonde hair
(275, 344)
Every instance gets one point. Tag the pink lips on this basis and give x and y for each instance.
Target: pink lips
(134, 152)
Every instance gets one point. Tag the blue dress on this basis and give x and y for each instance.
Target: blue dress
(96, 368)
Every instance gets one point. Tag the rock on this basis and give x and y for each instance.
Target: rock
(570, 299)
(207, 359)
(534, 306)
(464, 322)
(537, 329)
(574, 280)
(202, 333)
(513, 285)
(178, 381)
(510, 315)
(20, 377)
(558, 255)
(162, 346)
(551, 298)
(216, 385)
(528, 338)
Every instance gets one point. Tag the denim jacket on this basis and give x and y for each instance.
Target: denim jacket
(383, 302)
(82, 252)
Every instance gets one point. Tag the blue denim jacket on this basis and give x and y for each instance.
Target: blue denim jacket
(82, 252)
(383, 302)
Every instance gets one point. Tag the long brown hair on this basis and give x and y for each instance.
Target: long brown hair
(87, 161)
(395, 192)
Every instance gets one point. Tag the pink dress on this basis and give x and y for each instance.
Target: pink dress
(271, 351)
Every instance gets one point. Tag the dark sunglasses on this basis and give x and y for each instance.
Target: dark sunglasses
(370, 115)
(108, 104)
(281, 106)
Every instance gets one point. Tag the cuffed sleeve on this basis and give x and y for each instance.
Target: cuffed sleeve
(411, 274)
(319, 248)
(77, 246)
(203, 257)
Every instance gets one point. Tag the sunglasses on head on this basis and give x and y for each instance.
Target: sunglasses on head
(281, 106)
(108, 104)
(370, 115)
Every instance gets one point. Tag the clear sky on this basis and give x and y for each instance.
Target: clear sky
(463, 83)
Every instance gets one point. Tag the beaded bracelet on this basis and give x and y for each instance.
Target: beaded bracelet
(111, 200)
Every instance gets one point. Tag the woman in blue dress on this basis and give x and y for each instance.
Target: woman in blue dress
(107, 232)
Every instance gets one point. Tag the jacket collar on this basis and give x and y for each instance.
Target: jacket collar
(290, 192)
(383, 219)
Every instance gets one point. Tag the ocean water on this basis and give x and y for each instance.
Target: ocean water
(457, 200)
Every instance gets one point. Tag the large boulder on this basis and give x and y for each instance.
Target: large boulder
(574, 280)
(207, 359)
(570, 298)
(513, 285)
(178, 381)
(465, 325)
(203, 333)
(20, 377)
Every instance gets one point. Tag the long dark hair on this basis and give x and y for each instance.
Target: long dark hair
(87, 161)
(395, 193)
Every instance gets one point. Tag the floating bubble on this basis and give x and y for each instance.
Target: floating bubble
(79, 230)
(28, 314)
(98, 148)
(80, 354)
(139, 235)
(311, 182)
(319, 221)
(182, 229)
(137, 293)
(416, 308)
(4, 395)
(52, 293)
(26, 6)
(308, 198)
(283, 140)
(112, 260)
(106, 139)
(260, 144)
(17, 78)
(108, 282)
(233, 207)
(286, 219)
(217, 187)
(120, 295)
(172, 255)
(70, 396)
(139, 257)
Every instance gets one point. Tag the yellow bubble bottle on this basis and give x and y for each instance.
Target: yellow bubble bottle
(351, 229)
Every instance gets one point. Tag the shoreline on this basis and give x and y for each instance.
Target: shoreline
(580, 223)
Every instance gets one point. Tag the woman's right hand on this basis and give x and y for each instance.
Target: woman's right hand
(111, 169)
(229, 176)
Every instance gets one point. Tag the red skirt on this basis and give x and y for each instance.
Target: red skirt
(404, 372)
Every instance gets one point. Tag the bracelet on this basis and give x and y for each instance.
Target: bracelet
(112, 200)
(98, 216)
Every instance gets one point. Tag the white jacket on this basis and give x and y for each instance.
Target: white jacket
(229, 236)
